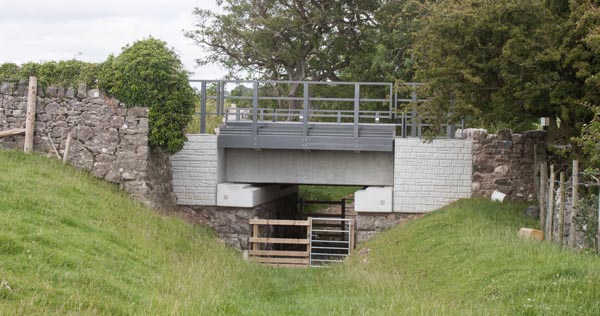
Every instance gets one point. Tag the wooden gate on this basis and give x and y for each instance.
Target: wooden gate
(274, 251)
(319, 241)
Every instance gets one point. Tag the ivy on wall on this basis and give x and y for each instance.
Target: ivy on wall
(146, 73)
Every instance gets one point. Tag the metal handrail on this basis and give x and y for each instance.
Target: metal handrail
(410, 123)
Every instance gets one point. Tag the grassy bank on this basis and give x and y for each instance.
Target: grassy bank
(73, 245)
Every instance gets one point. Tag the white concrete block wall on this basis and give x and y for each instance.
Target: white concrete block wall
(428, 176)
(195, 172)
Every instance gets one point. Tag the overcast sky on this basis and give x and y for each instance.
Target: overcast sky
(44, 30)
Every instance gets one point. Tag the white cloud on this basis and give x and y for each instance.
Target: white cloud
(65, 29)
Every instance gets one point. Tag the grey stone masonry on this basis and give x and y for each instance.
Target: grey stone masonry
(195, 172)
(430, 175)
(109, 139)
(232, 224)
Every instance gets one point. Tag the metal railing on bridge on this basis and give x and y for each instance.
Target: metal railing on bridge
(269, 114)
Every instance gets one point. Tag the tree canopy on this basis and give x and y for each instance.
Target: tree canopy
(510, 62)
(502, 63)
(285, 39)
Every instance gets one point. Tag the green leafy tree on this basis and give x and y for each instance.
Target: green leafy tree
(148, 73)
(494, 58)
(510, 62)
(285, 39)
(385, 54)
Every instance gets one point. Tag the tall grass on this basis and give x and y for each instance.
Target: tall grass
(73, 245)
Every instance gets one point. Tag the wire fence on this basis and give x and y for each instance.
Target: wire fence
(569, 206)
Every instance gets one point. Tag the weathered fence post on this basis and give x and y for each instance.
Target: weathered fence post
(255, 233)
(561, 210)
(598, 235)
(542, 194)
(575, 194)
(550, 212)
(65, 157)
(30, 118)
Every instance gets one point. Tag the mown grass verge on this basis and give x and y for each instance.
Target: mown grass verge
(73, 245)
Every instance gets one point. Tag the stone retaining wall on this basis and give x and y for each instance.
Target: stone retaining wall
(232, 223)
(506, 162)
(109, 140)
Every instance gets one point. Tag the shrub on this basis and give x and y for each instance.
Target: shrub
(150, 74)
(66, 73)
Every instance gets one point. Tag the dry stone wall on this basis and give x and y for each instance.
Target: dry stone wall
(232, 223)
(506, 162)
(109, 140)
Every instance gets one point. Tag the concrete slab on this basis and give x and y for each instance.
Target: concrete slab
(249, 195)
(321, 167)
(374, 200)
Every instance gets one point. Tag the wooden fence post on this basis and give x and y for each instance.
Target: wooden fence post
(542, 194)
(30, 118)
(550, 211)
(561, 210)
(65, 157)
(573, 214)
(598, 236)
(255, 234)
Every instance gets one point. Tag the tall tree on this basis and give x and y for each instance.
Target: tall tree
(510, 62)
(386, 54)
(495, 58)
(285, 39)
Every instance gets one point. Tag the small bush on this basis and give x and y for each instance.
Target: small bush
(150, 74)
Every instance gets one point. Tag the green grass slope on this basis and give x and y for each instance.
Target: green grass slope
(73, 245)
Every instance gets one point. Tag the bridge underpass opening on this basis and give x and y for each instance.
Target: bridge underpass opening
(320, 232)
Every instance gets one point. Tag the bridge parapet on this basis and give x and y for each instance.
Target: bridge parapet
(347, 116)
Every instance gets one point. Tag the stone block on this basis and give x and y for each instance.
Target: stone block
(373, 199)
(531, 234)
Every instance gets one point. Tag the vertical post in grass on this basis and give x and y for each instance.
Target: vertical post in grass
(561, 210)
(598, 235)
(542, 194)
(573, 213)
(255, 234)
(550, 212)
(30, 118)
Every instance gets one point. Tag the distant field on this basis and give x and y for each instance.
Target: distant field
(74, 245)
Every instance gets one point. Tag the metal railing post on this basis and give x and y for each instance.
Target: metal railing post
(356, 110)
(255, 111)
(220, 97)
(450, 131)
(391, 109)
(413, 121)
(451, 127)
(203, 109)
(305, 112)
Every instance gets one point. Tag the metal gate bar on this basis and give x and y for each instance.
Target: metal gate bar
(338, 244)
